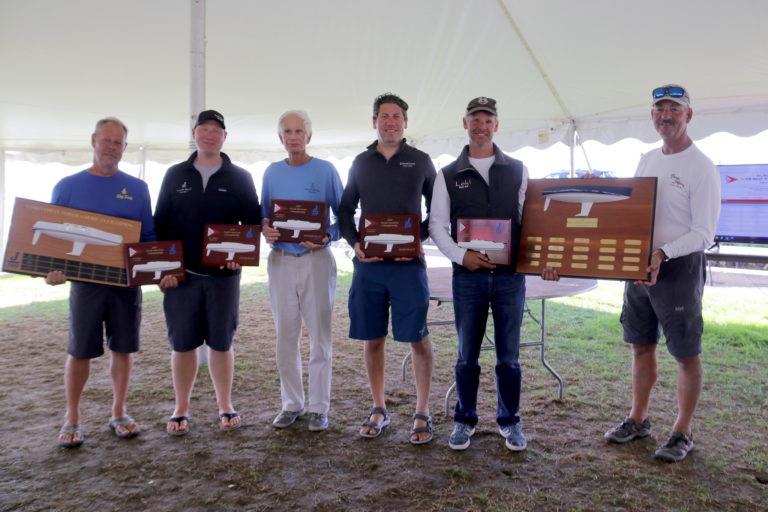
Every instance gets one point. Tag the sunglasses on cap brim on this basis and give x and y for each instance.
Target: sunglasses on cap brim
(671, 92)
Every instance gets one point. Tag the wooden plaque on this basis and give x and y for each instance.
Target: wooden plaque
(223, 243)
(593, 227)
(491, 237)
(390, 236)
(299, 221)
(85, 246)
(148, 262)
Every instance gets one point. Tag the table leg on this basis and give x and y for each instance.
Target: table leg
(448, 399)
(543, 347)
(406, 358)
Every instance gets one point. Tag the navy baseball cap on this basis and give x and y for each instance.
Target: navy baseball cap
(210, 115)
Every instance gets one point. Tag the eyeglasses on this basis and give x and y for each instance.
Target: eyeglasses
(671, 91)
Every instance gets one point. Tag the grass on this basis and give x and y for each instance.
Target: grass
(567, 466)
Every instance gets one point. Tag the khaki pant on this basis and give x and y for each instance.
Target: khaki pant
(303, 289)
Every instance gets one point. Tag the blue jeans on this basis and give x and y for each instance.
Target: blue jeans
(473, 293)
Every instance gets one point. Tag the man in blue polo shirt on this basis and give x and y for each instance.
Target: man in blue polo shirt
(205, 189)
(483, 183)
(390, 177)
(302, 277)
(102, 188)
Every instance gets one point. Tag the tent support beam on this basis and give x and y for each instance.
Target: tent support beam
(577, 139)
(197, 92)
(535, 60)
(142, 163)
(197, 64)
(2, 200)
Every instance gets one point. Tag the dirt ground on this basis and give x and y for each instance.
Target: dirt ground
(567, 465)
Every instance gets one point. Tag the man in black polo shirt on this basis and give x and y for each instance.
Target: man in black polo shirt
(483, 183)
(390, 177)
(205, 189)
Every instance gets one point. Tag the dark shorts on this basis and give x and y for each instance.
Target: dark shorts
(378, 286)
(671, 306)
(203, 309)
(94, 307)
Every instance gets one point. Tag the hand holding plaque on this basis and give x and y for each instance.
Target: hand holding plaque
(390, 236)
(149, 262)
(74, 244)
(299, 221)
(594, 227)
(491, 237)
(224, 244)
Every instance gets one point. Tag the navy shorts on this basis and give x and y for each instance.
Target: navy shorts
(378, 286)
(672, 305)
(92, 307)
(203, 309)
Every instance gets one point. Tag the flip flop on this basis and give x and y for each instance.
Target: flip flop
(124, 421)
(73, 430)
(229, 416)
(419, 430)
(378, 428)
(178, 420)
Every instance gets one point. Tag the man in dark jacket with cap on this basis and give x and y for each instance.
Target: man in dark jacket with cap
(206, 189)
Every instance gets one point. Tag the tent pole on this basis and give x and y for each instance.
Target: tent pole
(197, 92)
(142, 163)
(571, 144)
(583, 152)
(197, 65)
(2, 201)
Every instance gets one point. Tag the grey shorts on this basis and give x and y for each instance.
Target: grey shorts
(671, 306)
(203, 309)
(94, 307)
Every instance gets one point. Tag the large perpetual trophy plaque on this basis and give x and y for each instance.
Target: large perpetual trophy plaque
(299, 221)
(223, 243)
(148, 262)
(85, 246)
(390, 236)
(593, 227)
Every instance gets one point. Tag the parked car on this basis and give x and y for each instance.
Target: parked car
(578, 173)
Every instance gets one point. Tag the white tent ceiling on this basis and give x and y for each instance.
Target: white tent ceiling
(549, 63)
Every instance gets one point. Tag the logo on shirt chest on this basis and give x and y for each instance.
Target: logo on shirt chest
(463, 183)
(124, 195)
(676, 181)
(407, 165)
(183, 189)
(312, 189)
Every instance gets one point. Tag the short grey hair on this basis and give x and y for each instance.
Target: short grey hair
(107, 120)
(301, 115)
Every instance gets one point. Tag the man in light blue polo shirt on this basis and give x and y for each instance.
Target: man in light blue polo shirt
(302, 277)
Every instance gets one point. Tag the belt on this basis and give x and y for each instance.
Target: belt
(283, 252)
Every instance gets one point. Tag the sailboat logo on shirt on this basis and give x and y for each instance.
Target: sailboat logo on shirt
(184, 188)
(124, 195)
(676, 181)
(312, 189)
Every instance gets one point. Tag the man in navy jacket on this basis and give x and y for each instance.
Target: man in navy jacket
(205, 189)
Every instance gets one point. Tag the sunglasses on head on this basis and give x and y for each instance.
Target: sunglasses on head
(673, 92)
